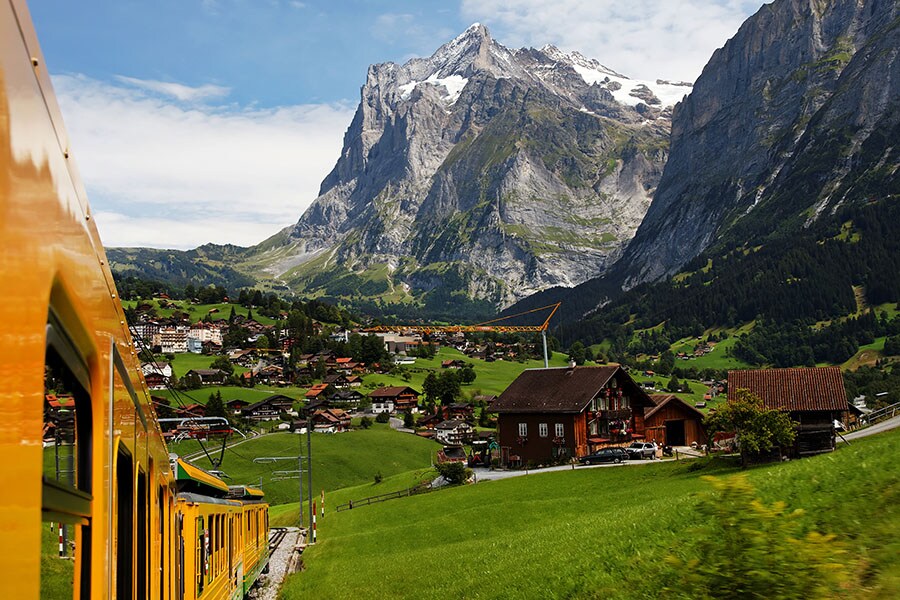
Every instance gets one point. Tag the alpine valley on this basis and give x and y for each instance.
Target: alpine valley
(484, 178)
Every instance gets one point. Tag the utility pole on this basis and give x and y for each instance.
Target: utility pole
(309, 425)
(298, 474)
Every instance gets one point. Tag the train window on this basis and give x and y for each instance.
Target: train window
(142, 555)
(201, 555)
(124, 524)
(66, 486)
(179, 556)
(163, 545)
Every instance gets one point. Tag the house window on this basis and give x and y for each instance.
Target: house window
(559, 430)
(523, 429)
(604, 404)
(543, 430)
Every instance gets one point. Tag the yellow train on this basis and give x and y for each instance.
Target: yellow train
(141, 525)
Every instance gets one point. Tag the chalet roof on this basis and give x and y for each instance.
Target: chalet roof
(391, 392)
(661, 400)
(207, 372)
(278, 399)
(564, 389)
(796, 389)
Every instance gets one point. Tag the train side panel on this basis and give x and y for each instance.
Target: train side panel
(59, 305)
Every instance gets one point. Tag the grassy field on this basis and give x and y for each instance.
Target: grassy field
(339, 461)
(596, 533)
(491, 377)
(867, 355)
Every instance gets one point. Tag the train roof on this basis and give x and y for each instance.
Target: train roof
(245, 492)
(189, 478)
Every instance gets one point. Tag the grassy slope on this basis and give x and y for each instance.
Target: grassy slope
(339, 461)
(491, 377)
(592, 533)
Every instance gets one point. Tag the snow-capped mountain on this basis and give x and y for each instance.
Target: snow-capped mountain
(481, 173)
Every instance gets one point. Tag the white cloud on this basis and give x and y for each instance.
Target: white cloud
(176, 90)
(166, 175)
(645, 39)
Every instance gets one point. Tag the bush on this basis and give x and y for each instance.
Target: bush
(378, 477)
(365, 422)
(455, 472)
(382, 417)
(749, 550)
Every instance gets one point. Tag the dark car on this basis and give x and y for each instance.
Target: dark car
(613, 455)
(641, 450)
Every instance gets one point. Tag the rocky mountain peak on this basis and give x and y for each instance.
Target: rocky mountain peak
(485, 172)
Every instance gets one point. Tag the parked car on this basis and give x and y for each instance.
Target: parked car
(604, 455)
(641, 450)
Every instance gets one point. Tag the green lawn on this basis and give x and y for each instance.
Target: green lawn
(716, 359)
(339, 460)
(595, 533)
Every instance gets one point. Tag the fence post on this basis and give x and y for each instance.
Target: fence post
(314, 522)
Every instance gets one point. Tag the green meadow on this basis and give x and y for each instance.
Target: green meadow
(339, 460)
(597, 533)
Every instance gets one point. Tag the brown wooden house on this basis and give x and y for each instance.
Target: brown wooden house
(549, 414)
(395, 399)
(673, 422)
(814, 397)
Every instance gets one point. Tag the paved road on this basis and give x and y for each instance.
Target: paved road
(885, 425)
(485, 474)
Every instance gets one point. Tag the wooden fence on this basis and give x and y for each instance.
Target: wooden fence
(419, 489)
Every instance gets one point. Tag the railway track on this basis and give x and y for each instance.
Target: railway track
(276, 536)
(284, 549)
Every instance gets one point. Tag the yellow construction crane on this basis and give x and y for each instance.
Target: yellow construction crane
(483, 327)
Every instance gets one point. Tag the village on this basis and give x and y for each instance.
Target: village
(539, 417)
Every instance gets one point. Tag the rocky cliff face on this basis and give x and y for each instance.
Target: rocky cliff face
(794, 117)
(481, 172)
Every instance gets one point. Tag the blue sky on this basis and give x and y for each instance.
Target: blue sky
(216, 120)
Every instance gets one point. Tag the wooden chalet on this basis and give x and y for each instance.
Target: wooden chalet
(317, 391)
(548, 414)
(395, 399)
(461, 410)
(207, 376)
(673, 422)
(237, 406)
(330, 420)
(270, 408)
(156, 381)
(347, 397)
(814, 397)
(338, 380)
(430, 421)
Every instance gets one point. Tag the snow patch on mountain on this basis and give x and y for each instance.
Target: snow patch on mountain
(454, 85)
(634, 91)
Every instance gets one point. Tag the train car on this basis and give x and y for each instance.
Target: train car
(83, 455)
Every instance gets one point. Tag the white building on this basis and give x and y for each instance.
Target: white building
(206, 332)
(173, 339)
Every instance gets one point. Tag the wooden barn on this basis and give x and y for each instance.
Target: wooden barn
(673, 422)
(814, 397)
(550, 414)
